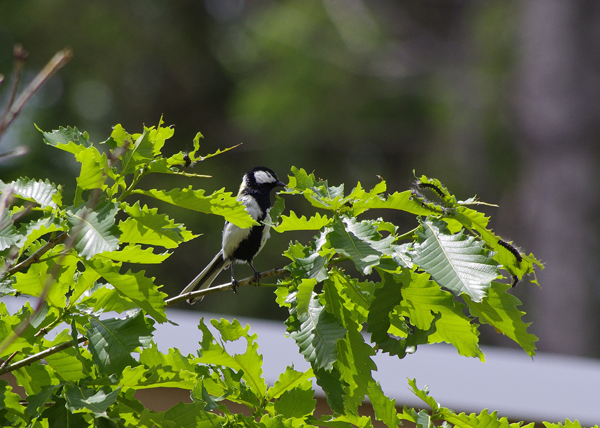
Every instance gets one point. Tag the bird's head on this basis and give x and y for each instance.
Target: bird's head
(261, 178)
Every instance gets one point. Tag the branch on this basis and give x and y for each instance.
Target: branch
(227, 286)
(35, 257)
(41, 355)
(56, 63)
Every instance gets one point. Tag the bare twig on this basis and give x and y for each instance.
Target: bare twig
(223, 287)
(56, 63)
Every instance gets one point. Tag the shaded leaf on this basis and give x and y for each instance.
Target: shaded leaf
(318, 335)
(67, 139)
(87, 398)
(112, 341)
(500, 309)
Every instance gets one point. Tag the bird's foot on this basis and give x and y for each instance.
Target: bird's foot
(234, 285)
(256, 278)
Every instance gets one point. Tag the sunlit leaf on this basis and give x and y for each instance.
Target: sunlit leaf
(94, 230)
(455, 261)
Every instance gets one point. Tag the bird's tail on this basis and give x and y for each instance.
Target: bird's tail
(207, 276)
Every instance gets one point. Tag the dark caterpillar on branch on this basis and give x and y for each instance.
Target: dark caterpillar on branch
(432, 187)
(512, 249)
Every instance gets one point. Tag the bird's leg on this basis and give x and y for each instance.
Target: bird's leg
(256, 273)
(234, 282)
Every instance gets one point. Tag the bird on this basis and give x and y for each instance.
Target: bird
(241, 245)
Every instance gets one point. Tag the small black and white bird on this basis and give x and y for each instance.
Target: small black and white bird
(241, 245)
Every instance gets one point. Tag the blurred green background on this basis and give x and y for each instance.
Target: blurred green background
(497, 98)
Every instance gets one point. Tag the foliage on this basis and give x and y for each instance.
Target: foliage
(81, 366)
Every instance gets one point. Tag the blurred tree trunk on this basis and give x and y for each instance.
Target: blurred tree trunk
(557, 111)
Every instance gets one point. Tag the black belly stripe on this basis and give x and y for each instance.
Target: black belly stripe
(249, 246)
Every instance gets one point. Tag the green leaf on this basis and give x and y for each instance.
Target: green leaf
(135, 254)
(360, 241)
(333, 387)
(141, 152)
(423, 300)
(423, 394)
(500, 309)
(134, 286)
(59, 416)
(146, 226)
(94, 230)
(478, 222)
(296, 403)
(192, 415)
(113, 340)
(8, 232)
(93, 169)
(87, 398)
(219, 203)
(67, 139)
(10, 403)
(387, 296)
(42, 193)
(289, 380)
(35, 229)
(67, 365)
(457, 262)
(250, 362)
(384, 407)
(318, 335)
(293, 222)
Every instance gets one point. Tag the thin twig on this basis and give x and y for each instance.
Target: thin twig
(41, 355)
(35, 257)
(57, 62)
(224, 287)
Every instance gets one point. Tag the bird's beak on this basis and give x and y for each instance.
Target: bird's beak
(281, 183)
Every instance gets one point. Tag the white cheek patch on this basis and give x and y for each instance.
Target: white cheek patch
(263, 177)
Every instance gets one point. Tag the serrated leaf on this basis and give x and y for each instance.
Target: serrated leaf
(250, 362)
(193, 415)
(87, 398)
(296, 403)
(478, 222)
(293, 222)
(112, 341)
(94, 230)
(384, 407)
(67, 139)
(93, 167)
(8, 232)
(134, 286)
(140, 152)
(66, 365)
(455, 261)
(318, 335)
(288, 380)
(360, 241)
(423, 394)
(35, 229)
(387, 296)
(135, 254)
(423, 300)
(500, 309)
(219, 203)
(333, 386)
(40, 192)
(146, 226)
(59, 416)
